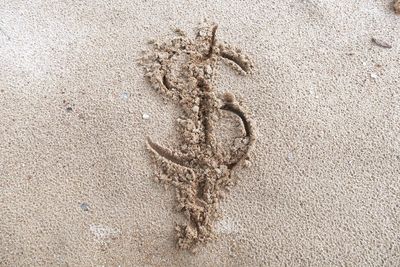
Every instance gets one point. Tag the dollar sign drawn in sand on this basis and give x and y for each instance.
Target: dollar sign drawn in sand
(200, 168)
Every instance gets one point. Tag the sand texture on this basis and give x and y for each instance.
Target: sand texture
(127, 133)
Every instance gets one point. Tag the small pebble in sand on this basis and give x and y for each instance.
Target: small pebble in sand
(290, 156)
(247, 163)
(396, 7)
(374, 76)
(84, 206)
(145, 116)
(125, 95)
(195, 109)
(208, 69)
(69, 109)
(229, 97)
(180, 32)
(381, 43)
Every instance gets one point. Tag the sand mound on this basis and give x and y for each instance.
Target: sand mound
(201, 169)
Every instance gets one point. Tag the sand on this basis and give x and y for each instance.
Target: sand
(77, 181)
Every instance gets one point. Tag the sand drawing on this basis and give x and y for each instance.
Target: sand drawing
(200, 168)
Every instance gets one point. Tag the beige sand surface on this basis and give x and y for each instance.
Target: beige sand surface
(76, 185)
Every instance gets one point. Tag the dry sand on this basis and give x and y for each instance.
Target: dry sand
(76, 186)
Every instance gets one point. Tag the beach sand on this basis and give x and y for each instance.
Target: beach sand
(77, 181)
